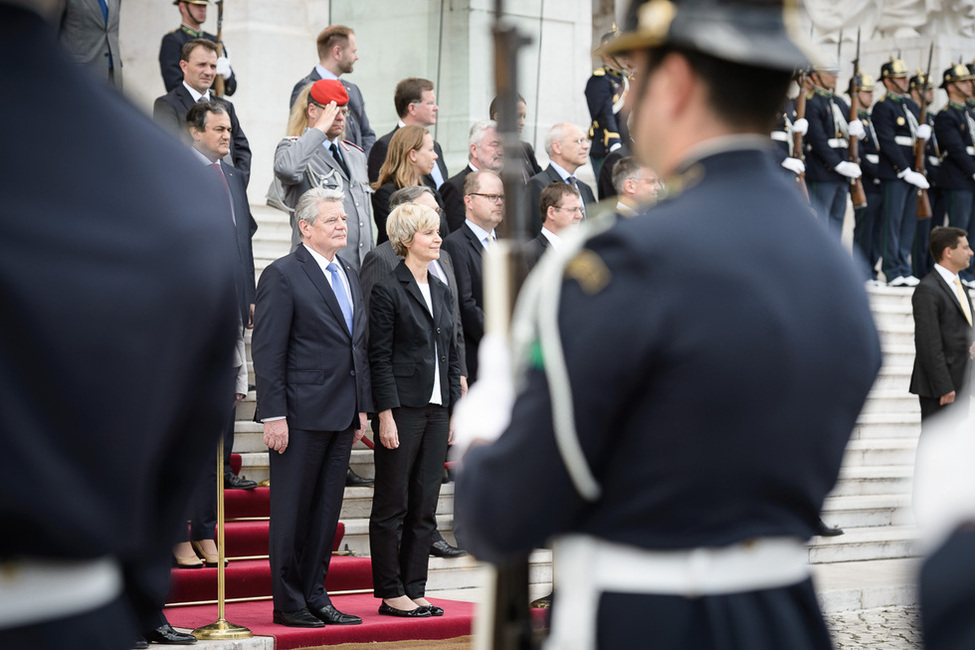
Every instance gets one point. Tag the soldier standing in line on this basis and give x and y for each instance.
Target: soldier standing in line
(606, 96)
(867, 218)
(922, 92)
(679, 484)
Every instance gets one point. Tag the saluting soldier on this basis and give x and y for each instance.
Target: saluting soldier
(867, 218)
(828, 170)
(895, 120)
(606, 96)
(955, 130)
(680, 484)
(193, 13)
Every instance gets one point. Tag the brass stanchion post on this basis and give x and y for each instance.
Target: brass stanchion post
(221, 629)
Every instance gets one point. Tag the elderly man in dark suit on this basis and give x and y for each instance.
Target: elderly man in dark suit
(337, 54)
(89, 31)
(567, 147)
(416, 104)
(943, 327)
(198, 61)
(313, 392)
(484, 200)
(485, 151)
(100, 320)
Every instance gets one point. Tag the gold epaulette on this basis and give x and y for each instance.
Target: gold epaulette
(599, 72)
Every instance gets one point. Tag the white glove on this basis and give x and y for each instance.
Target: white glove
(848, 169)
(794, 165)
(923, 131)
(800, 126)
(223, 67)
(856, 130)
(485, 412)
(914, 178)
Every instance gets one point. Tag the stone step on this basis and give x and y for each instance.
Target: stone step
(872, 543)
(357, 503)
(877, 480)
(893, 376)
(468, 574)
(852, 512)
(880, 451)
(357, 530)
(845, 586)
(890, 400)
(887, 425)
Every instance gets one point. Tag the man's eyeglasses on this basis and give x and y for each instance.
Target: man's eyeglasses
(573, 210)
(496, 198)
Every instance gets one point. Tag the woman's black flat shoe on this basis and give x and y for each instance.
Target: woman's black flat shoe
(433, 609)
(416, 612)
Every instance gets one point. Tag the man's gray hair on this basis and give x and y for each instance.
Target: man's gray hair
(556, 133)
(307, 207)
(478, 129)
(625, 169)
(408, 194)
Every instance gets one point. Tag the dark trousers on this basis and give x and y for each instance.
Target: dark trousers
(404, 505)
(961, 205)
(309, 482)
(868, 222)
(897, 239)
(829, 201)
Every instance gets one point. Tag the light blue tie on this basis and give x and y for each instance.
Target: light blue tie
(339, 289)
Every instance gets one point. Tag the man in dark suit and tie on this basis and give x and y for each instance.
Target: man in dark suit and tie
(567, 147)
(416, 104)
(209, 128)
(943, 327)
(313, 392)
(119, 307)
(484, 200)
(89, 31)
(337, 54)
(562, 207)
(485, 151)
(199, 64)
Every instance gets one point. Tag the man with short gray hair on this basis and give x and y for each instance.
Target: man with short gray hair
(567, 147)
(636, 186)
(485, 151)
(313, 392)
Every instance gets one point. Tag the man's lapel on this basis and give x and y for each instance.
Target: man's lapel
(317, 277)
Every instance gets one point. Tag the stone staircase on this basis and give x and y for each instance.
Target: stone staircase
(871, 565)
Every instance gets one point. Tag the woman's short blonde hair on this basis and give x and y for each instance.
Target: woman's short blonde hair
(405, 221)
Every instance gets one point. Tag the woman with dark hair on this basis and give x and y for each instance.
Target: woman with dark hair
(410, 157)
(415, 366)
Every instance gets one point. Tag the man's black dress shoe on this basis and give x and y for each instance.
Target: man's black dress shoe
(166, 635)
(328, 614)
(354, 480)
(298, 618)
(441, 548)
(825, 531)
(140, 644)
(433, 609)
(416, 612)
(233, 482)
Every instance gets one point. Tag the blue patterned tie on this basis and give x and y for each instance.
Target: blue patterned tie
(339, 289)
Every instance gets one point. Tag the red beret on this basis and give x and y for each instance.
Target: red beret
(324, 91)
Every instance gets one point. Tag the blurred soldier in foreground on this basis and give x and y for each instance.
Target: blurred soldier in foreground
(680, 461)
(116, 343)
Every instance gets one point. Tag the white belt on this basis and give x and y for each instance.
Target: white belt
(872, 158)
(838, 143)
(934, 161)
(904, 140)
(586, 566)
(36, 590)
(781, 136)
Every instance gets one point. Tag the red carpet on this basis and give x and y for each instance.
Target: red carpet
(256, 616)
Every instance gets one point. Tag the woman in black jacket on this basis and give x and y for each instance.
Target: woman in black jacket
(416, 382)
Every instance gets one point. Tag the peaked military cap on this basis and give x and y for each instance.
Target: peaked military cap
(192, 2)
(760, 33)
(955, 73)
(894, 68)
(862, 81)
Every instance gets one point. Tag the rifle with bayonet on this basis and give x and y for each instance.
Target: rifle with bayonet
(504, 622)
(923, 202)
(218, 82)
(857, 195)
(797, 151)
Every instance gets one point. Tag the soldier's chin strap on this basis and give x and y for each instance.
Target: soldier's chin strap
(536, 320)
